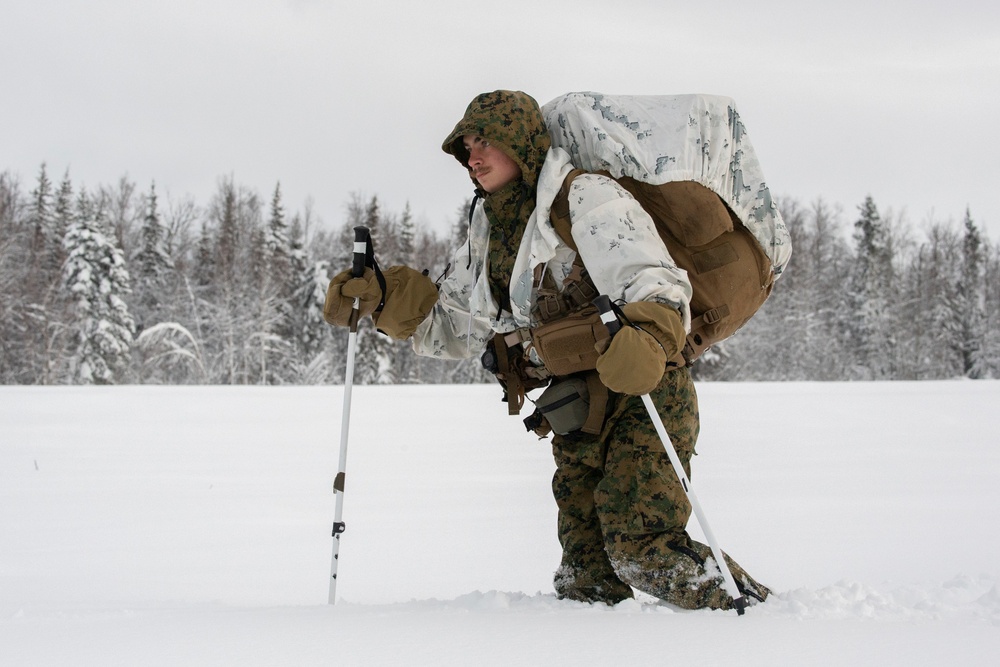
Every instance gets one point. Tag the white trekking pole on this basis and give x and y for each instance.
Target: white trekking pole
(610, 320)
(362, 242)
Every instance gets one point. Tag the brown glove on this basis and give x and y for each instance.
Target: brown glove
(409, 298)
(635, 360)
(341, 293)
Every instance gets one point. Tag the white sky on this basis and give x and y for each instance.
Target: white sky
(898, 100)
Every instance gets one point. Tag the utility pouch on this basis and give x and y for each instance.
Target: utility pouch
(577, 403)
(567, 345)
(565, 405)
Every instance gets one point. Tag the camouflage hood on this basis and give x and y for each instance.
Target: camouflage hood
(509, 120)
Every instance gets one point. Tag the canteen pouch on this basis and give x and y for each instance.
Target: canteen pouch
(565, 405)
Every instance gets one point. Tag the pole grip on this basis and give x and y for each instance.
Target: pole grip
(362, 243)
(608, 316)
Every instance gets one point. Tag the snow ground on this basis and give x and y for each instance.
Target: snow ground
(191, 526)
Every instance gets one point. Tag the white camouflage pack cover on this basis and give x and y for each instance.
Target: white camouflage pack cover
(660, 139)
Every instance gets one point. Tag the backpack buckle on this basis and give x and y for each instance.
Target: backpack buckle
(715, 315)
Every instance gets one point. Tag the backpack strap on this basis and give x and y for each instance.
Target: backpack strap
(559, 213)
(563, 223)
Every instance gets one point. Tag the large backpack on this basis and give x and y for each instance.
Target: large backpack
(689, 163)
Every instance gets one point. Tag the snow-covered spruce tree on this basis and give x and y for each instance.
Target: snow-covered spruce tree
(278, 248)
(13, 346)
(38, 316)
(53, 349)
(971, 302)
(204, 265)
(313, 332)
(310, 334)
(152, 264)
(56, 254)
(97, 281)
(990, 355)
(40, 218)
(278, 287)
(227, 239)
(872, 333)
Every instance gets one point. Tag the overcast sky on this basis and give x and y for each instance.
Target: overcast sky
(899, 100)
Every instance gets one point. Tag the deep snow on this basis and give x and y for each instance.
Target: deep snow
(191, 526)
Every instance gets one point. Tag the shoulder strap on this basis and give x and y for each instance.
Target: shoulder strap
(559, 214)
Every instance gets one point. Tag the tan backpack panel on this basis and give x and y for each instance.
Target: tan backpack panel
(730, 274)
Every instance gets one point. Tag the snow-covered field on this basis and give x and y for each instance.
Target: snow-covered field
(191, 526)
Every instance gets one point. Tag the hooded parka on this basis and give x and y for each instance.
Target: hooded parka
(491, 288)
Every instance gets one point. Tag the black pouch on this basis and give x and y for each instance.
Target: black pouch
(565, 405)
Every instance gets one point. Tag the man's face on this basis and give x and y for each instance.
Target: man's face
(490, 166)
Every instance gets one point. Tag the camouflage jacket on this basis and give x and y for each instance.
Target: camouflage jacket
(617, 241)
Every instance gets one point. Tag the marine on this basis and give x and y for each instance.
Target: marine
(622, 511)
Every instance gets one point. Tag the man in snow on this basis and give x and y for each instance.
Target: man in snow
(622, 511)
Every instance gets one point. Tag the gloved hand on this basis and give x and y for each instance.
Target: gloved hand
(340, 295)
(409, 298)
(635, 360)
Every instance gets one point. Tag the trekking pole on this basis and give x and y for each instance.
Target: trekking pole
(610, 320)
(362, 243)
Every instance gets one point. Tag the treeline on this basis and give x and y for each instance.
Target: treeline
(112, 285)
(875, 304)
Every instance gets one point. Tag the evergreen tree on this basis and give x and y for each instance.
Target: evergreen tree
(257, 273)
(13, 346)
(285, 263)
(204, 266)
(153, 263)
(314, 334)
(871, 283)
(63, 216)
(971, 301)
(40, 219)
(97, 279)
(279, 262)
(989, 357)
(227, 241)
(38, 315)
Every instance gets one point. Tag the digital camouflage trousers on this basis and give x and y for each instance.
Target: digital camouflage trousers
(623, 513)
